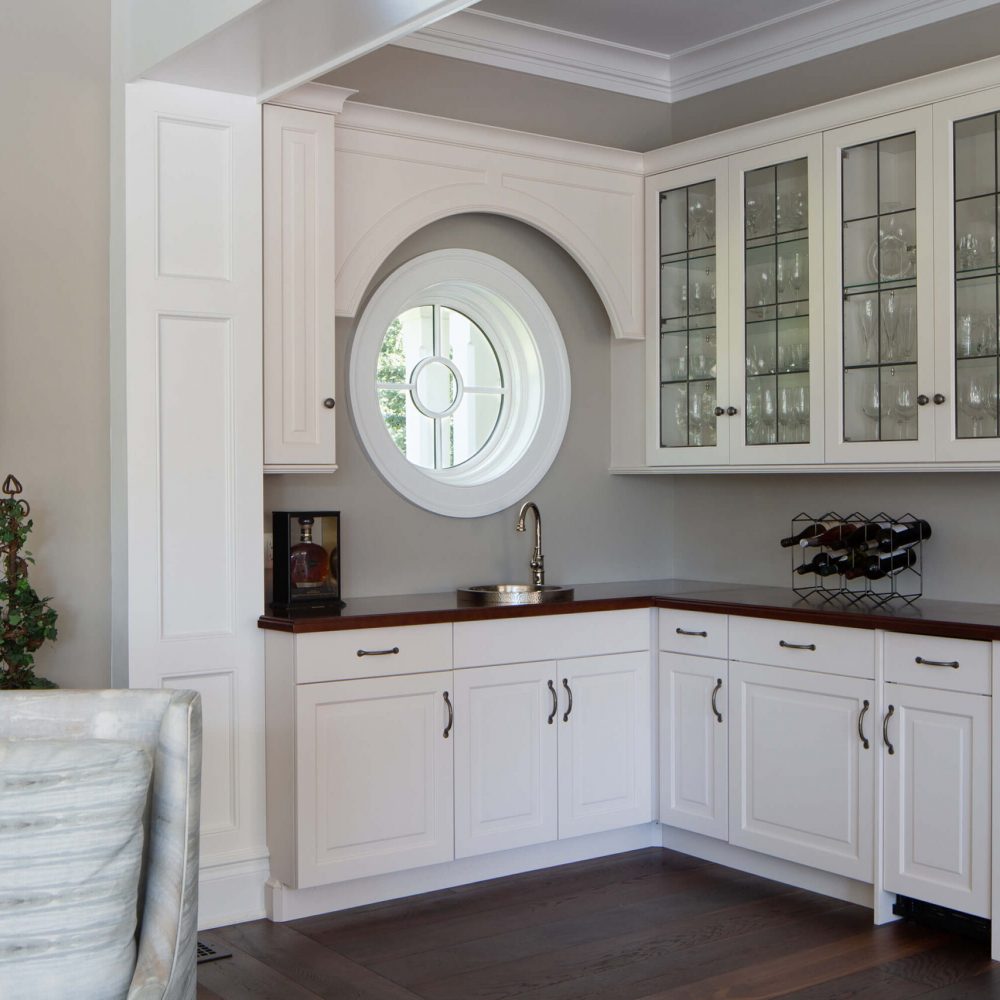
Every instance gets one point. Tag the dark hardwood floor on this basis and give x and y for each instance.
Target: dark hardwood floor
(650, 925)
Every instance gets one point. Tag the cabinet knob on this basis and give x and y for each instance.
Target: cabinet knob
(939, 398)
(922, 400)
(719, 411)
(329, 402)
(731, 411)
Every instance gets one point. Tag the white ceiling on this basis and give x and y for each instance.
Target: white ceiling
(670, 50)
(665, 26)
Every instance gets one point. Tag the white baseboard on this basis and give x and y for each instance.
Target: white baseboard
(777, 869)
(231, 891)
(291, 904)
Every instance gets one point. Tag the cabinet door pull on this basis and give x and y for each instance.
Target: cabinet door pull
(861, 724)
(885, 729)
(811, 646)
(715, 694)
(569, 707)
(937, 663)
(555, 702)
(451, 715)
(685, 631)
(329, 402)
(379, 652)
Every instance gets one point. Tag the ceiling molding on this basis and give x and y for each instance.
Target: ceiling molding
(315, 97)
(826, 28)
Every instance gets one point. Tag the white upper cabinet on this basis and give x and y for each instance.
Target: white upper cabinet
(299, 365)
(776, 303)
(967, 186)
(880, 291)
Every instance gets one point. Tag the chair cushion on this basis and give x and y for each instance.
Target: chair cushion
(71, 835)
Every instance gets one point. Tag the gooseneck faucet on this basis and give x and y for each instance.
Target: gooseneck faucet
(537, 559)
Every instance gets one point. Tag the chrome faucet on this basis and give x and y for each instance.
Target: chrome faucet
(537, 559)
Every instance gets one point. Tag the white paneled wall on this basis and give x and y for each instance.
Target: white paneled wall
(193, 341)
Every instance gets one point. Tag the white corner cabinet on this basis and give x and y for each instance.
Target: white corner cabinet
(406, 758)
(299, 346)
(829, 301)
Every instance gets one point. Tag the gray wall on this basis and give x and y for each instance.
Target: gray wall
(54, 106)
(595, 526)
(727, 527)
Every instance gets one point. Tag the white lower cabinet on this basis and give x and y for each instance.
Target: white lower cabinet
(936, 774)
(505, 757)
(801, 778)
(375, 776)
(605, 743)
(694, 764)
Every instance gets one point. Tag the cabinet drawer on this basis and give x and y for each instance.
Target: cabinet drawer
(926, 661)
(828, 649)
(550, 637)
(694, 632)
(371, 652)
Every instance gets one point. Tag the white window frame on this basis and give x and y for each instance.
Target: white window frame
(532, 355)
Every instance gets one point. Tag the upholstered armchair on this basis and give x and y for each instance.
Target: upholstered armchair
(168, 725)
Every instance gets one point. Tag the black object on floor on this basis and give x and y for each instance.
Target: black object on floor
(206, 953)
(941, 918)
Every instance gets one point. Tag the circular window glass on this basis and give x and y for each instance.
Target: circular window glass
(459, 383)
(440, 386)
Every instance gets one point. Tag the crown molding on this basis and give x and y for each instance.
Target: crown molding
(315, 97)
(828, 27)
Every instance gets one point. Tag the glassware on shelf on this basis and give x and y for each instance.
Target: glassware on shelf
(904, 408)
(800, 401)
(897, 327)
(972, 401)
(968, 252)
(793, 357)
(871, 403)
(868, 326)
(892, 257)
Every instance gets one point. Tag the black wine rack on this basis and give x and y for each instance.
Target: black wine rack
(904, 585)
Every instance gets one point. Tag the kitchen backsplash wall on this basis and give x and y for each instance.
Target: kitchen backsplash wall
(595, 526)
(728, 526)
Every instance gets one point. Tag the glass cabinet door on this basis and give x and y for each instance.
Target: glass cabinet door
(691, 427)
(778, 269)
(967, 136)
(879, 179)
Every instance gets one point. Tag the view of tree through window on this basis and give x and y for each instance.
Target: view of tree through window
(392, 368)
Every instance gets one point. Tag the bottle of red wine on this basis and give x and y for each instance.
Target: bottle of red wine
(819, 563)
(907, 533)
(881, 566)
(811, 531)
(866, 533)
(834, 537)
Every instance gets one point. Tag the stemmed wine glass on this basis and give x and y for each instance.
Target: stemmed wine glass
(800, 398)
(867, 325)
(973, 403)
(897, 325)
(904, 408)
(871, 404)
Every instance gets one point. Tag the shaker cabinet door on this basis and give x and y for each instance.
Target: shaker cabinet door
(505, 757)
(801, 778)
(605, 743)
(694, 745)
(937, 797)
(375, 776)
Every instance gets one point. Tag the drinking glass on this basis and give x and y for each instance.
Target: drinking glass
(897, 325)
(904, 408)
(768, 408)
(753, 411)
(867, 325)
(871, 402)
(972, 403)
(801, 403)
(963, 335)
(787, 418)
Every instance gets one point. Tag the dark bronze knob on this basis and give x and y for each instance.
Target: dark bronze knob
(731, 411)
(329, 402)
(719, 411)
(939, 398)
(922, 400)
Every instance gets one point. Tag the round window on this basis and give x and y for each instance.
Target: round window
(459, 383)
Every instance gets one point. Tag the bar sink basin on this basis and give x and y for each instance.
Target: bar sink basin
(513, 593)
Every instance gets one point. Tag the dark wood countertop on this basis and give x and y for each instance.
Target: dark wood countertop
(952, 619)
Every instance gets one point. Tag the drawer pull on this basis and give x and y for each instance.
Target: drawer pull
(684, 631)
(861, 724)
(811, 646)
(569, 707)
(937, 663)
(555, 702)
(451, 715)
(885, 729)
(715, 694)
(379, 652)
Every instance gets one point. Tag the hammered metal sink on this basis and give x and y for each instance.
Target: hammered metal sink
(513, 593)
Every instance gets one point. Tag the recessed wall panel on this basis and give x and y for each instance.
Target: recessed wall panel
(193, 200)
(195, 475)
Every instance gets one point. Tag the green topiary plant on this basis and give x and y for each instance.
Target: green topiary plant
(26, 620)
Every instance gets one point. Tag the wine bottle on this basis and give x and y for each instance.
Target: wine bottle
(898, 535)
(810, 531)
(881, 566)
(866, 533)
(834, 537)
(818, 564)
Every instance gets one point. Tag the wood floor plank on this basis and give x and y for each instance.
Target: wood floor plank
(985, 986)
(244, 977)
(308, 963)
(616, 966)
(686, 898)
